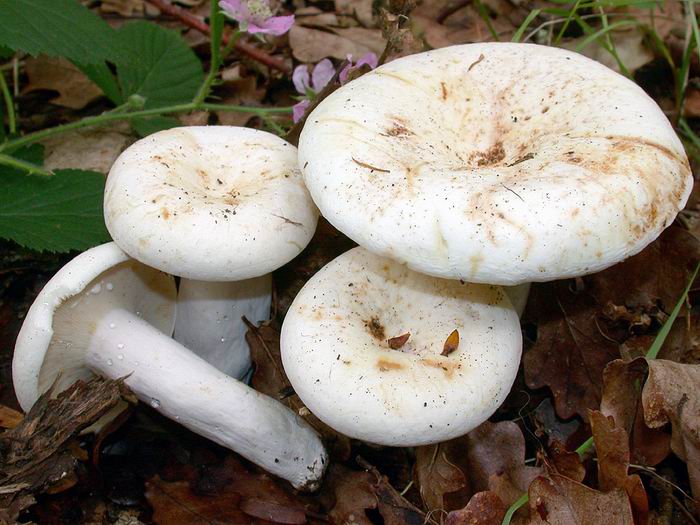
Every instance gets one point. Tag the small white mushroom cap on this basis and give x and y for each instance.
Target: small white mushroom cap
(51, 345)
(336, 353)
(213, 203)
(495, 162)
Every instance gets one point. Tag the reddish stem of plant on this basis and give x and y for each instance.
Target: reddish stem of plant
(195, 23)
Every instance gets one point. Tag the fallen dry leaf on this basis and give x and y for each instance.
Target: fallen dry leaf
(630, 45)
(92, 149)
(575, 340)
(360, 9)
(436, 475)
(75, 90)
(622, 400)
(485, 508)
(489, 458)
(233, 495)
(353, 495)
(125, 8)
(671, 394)
(564, 462)
(612, 449)
(557, 500)
(313, 45)
(9, 418)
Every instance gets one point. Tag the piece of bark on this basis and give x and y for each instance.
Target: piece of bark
(37, 454)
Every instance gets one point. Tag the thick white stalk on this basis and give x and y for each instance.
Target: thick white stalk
(209, 319)
(186, 388)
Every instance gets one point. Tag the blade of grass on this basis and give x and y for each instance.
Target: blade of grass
(528, 20)
(666, 328)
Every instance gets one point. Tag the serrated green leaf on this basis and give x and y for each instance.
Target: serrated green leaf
(57, 28)
(58, 213)
(163, 69)
(101, 75)
(148, 125)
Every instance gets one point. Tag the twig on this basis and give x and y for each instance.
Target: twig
(9, 104)
(195, 23)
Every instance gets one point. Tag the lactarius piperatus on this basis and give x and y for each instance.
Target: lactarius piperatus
(495, 163)
(222, 207)
(395, 357)
(105, 313)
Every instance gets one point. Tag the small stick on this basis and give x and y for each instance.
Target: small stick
(195, 23)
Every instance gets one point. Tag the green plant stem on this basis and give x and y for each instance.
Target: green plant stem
(23, 165)
(9, 104)
(110, 117)
(216, 23)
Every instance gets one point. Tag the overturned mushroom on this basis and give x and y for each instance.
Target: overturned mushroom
(107, 314)
(212, 204)
(340, 352)
(495, 163)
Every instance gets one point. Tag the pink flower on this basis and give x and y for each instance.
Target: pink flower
(369, 59)
(255, 16)
(310, 85)
(322, 73)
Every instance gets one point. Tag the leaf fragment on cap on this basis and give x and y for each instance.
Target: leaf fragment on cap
(397, 342)
(451, 343)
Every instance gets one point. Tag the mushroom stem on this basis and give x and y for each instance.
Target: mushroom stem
(184, 387)
(209, 319)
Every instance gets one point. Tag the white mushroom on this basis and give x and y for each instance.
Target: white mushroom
(495, 162)
(107, 314)
(394, 357)
(212, 204)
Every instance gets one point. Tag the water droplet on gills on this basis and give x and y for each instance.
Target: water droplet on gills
(120, 346)
(109, 286)
(155, 403)
(112, 325)
(110, 362)
(120, 357)
(96, 289)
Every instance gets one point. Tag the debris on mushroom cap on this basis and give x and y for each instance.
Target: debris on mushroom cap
(497, 163)
(345, 370)
(216, 203)
(56, 331)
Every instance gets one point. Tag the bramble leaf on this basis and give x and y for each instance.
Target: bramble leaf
(58, 213)
(165, 72)
(57, 28)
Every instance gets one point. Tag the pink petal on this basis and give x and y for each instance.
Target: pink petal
(300, 78)
(236, 9)
(299, 109)
(343, 77)
(369, 59)
(322, 74)
(275, 25)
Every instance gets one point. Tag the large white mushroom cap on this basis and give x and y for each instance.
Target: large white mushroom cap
(497, 163)
(336, 351)
(53, 341)
(214, 203)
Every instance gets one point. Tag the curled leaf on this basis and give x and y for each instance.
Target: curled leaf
(451, 344)
(397, 342)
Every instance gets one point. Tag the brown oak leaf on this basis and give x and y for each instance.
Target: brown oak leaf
(671, 394)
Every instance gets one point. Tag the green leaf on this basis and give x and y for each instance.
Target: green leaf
(101, 75)
(6, 52)
(58, 213)
(147, 125)
(57, 28)
(163, 69)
